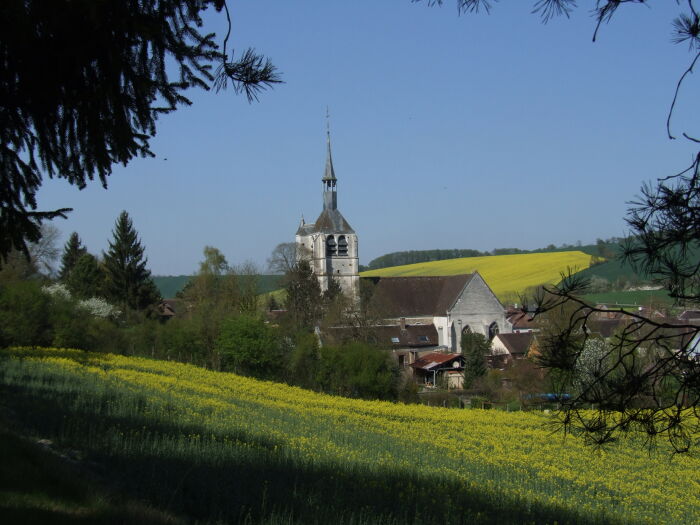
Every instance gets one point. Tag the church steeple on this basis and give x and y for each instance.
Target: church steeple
(330, 195)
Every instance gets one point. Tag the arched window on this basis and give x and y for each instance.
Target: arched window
(493, 330)
(331, 248)
(342, 245)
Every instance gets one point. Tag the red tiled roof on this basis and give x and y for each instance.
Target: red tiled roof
(434, 359)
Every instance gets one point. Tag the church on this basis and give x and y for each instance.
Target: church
(330, 243)
(421, 314)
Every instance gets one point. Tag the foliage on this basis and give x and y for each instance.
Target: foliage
(216, 447)
(418, 256)
(303, 301)
(357, 370)
(507, 275)
(72, 251)
(129, 282)
(24, 314)
(247, 345)
(87, 277)
(85, 82)
(304, 360)
(475, 348)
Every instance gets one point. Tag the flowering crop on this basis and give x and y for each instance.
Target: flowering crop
(401, 451)
(506, 274)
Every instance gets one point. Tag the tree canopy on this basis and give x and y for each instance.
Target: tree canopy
(82, 84)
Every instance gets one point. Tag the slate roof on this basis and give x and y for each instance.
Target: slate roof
(414, 335)
(516, 343)
(331, 221)
(417, 296)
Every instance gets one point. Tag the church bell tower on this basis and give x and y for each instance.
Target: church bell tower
(330, 243)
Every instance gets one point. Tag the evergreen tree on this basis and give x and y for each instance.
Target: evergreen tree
(303, 296)
(72, 251)
(475, 348)
(87, 278)
(129, 282)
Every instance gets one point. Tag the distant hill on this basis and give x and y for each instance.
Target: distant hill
(508, 275)
(170, 285)
(602, 248)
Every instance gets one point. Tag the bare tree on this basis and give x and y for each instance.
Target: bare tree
(283, 258)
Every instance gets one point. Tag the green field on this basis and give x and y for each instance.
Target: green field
(213, 447)
(507, 275)
(631, 298)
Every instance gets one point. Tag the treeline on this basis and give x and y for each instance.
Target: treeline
(607, 248)
(220, 321)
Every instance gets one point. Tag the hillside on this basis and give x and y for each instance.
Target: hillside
(170, 285)
(216, 447)
(507, 275)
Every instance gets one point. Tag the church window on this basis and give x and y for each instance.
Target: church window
(331, 248)
(493, 330)
(342, 245)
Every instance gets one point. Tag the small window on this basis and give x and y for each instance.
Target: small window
(423, 339)
(331, 247)
(342, 245)
(395, 340)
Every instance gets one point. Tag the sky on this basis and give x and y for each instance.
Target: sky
(477, 131)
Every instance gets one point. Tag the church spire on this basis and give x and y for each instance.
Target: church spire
(330, 196)
(329, 174)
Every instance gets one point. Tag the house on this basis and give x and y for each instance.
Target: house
(438, 368)
(521, 321)
(505, 348)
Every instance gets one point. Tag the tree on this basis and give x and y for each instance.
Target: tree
(662, 397)
(82, 84)
(475, 348)
(303, 296)
(39, 263)
(283, 258)
(247, 345)
(129, 282)
(87, 278)
(72, 251)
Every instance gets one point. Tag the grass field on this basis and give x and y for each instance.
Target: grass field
(631, 297)
(507, 275)
(214, 447)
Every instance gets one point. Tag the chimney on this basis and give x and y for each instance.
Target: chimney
(403, 324)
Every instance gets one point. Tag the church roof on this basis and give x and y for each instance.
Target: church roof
(417, 296)
(331, 221)
(329, 173)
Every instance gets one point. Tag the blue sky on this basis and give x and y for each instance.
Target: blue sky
(473, 131)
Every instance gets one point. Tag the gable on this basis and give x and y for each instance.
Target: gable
(476, 298)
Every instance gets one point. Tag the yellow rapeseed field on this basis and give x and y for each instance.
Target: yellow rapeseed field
(494, 452)
(507, 275)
